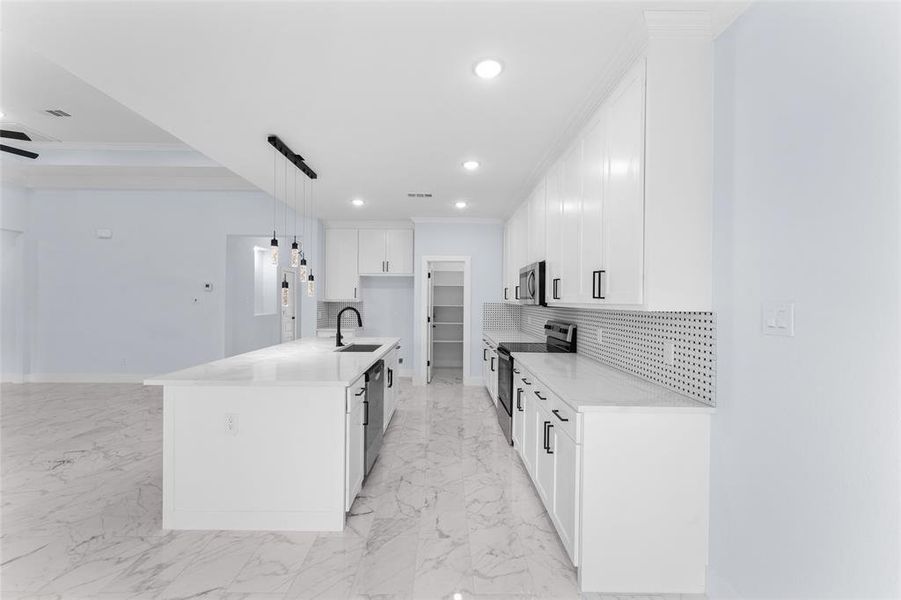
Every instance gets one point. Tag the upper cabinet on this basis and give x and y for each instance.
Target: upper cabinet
(341, 275)
(516, 250)
(386, 251)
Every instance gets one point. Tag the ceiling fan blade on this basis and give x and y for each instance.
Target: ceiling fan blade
(11, 150)
(14, 135)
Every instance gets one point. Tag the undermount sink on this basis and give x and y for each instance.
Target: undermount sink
(359, 348)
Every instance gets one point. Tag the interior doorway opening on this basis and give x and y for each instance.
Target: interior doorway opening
(446, 318)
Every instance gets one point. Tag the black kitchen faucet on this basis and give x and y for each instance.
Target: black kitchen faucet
(341, 312)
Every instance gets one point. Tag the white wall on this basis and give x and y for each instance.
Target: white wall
(389, 311)
(245, 330)
(15, 279)
(484, 242)
(805, 446)
(134, 304)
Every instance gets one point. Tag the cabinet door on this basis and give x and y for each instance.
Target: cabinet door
(520, 240)
(529, 432)
(624, 194)
(390, 399)
(518, 414)
(492, 374)
(593, 173)
(341, 274)
(508, 282)
(544, 460)
(565, 510)
(537, 242)
(372, 251)
(554, 226)
(486, 362)
(570, 243)
(399, 255)
(353, 445)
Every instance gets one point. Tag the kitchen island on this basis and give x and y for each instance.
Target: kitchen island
(271, 439)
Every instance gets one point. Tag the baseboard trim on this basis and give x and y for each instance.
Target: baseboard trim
(474, 381)
(405, 372)
(85, 378)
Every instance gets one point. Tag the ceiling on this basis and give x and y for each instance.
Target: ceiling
(379, 97)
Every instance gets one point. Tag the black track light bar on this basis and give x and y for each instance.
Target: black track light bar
(11, 150)
(294, 159)
(14, 135)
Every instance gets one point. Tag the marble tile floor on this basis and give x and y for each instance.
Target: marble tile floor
(447, 509)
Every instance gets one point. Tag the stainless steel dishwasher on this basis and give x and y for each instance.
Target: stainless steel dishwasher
(374, 414)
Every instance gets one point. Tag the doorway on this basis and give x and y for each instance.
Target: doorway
(445, 319)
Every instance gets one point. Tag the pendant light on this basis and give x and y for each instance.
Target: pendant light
(302, 271)
(285, 291)
(295, 248)
(273, 243)
(311, 282)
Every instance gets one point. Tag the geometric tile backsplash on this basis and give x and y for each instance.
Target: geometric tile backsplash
(632, 341)
(327, 315)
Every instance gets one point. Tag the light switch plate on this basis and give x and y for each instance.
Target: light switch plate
(778, 319)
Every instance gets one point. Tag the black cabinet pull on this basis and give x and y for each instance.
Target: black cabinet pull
(391, 378)
(492, 364)
(515, 371)
(539, 395)
(526, 381)
(596, 287)
(366, 412)
(519, 399)
(555, 293)
(361, 392)
(548, 435)
(516, 293)
(484, 354)
(557, 414)
(505, 294)
(387, 266)
(544, 441)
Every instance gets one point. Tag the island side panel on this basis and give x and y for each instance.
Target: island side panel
(281, 467)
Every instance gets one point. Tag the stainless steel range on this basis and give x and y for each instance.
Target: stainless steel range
(560, 337)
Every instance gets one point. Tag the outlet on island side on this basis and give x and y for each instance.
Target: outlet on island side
(231, 423)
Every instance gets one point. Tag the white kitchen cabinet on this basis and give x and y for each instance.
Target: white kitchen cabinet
(390, 398)
(527, 449)
(518, 413)
(623, 272)
(570, 240)
(537, 242)
(354, 441)
(566, 484)
(520, 243)
(554, 237)
(386, 251)
(341, 275)
(594, 166)
(544, 459)
(508, 262)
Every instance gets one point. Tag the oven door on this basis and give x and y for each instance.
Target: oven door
(505, 392)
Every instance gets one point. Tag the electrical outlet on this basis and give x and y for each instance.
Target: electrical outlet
(600, 336)
(779, 319)
(231, 423)
(669, 352)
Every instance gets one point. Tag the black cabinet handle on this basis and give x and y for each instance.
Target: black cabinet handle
(366, 412)
(555, 293)
(383, 266)
(596, 288)
(391, 378)
(516, 293)
(526, 381)
(548, 435)
(539, 395)
(515, 371)
(519, 399)
(544, 444)
(557, 414)
(361, 392)
(355, 292)
(484, 354)
(492, 364)
(505, 294)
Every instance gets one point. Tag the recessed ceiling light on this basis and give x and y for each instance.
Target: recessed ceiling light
(488, 68)
(357, 202)
(471, 165)
(460, 204)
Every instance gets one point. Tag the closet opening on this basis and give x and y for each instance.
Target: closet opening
(446, 319)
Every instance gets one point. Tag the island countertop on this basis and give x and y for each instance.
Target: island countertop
(308, 361)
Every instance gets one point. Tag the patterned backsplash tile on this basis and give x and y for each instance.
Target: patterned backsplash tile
(631, 340)
(327, 314)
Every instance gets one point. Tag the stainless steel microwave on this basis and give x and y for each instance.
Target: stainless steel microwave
(531, 284)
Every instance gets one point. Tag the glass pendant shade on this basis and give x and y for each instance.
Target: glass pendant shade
(311, 286)
(295, 254)
(302, 269)
(273, 248)
(285, 292)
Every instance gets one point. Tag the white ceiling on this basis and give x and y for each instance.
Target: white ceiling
(378, 97)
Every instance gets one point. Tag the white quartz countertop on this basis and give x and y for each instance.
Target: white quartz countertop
(587, 385)
(499, 336)
(307, 361)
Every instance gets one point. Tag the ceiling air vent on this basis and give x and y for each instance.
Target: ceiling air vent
(418, 195)
(56, 112)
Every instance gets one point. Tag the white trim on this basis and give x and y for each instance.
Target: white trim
(458, 220)
(364, 224)
(12, 378)
(419, 379)
(85, 378)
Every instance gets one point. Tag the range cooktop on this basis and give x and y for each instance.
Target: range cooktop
(530, 347)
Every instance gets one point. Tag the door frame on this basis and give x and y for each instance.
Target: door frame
(419, 377)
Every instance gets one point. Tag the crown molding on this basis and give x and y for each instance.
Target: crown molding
(458, 220)
(679, 24)
(367, 224)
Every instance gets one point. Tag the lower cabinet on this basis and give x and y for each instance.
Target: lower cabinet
(489, 368)
(518, 413)
(390, 402)
(566, 485)
(354, 442)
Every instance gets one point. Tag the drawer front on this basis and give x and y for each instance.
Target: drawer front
(565, 419)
